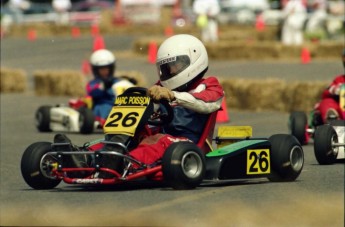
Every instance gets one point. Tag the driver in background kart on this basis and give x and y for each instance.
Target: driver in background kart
(182, 62)
(328, 108)
(104, 88)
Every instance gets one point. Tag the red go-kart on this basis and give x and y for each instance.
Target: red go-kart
(184, 164)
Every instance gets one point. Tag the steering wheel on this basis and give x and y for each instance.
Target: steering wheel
(140, 90)
(164, 117)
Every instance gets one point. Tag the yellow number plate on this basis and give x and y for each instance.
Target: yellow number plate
(258, 161)
(123, 120)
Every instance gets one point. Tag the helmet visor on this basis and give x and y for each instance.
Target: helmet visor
(170, 67)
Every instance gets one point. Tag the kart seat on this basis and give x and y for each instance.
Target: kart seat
(205, 141)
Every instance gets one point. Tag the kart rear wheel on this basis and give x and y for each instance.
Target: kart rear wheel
(86, 120)
(183, 165)
(36, 168)
(325, 137)
(297, 125)
(287, 158)
(42, 117)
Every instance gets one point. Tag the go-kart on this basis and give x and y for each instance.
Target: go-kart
(303, 127)
(184, 164)
(77, 116)
(329, 139)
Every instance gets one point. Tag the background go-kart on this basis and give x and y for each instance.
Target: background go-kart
(316, 198)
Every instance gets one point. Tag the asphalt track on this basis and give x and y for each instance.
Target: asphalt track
(315, 199)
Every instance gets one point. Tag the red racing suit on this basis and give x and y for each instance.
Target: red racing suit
(191, 112)
(330, 98)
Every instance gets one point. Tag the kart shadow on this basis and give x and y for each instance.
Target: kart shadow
(225, 183)
(338, 161)
(126, 186)
(152, 185)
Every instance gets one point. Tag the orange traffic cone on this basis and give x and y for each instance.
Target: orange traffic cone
(222, 115)
(118, 15)
(168, 31)
(259, 23)
(152, 52)
(305, 56)
(94, 30)
(85, 67)
(75, 32)
(98, 43)
(32, 36)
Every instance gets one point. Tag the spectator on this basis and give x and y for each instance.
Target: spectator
(318, 16)
(295, 14)
(207, 11)
(61, 8)
(16, 7)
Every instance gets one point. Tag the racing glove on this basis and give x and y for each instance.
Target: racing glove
(157, 93)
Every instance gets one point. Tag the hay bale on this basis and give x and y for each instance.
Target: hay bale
(254, 95)
(272, 94)
(12, 80)
(141, 46)
(328, 49)
(63, 82)
(246, 33)
(72, 83)
(303, 95)
(253, 49)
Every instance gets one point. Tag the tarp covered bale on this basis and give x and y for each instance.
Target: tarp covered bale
(12, 80)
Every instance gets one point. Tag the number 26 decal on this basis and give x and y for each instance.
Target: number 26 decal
(258, 161)
(127, 120)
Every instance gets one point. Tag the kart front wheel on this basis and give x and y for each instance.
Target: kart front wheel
(287, 158)
(325, 137)
(183, 165)
(86, 120)
(42, 118)
(36, 168)
(297, 125)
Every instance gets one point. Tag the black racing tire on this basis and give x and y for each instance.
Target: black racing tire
(86, 120)
(42, 118)
(325, 154)
(297, 124)
(183, 165)
(287, 158)
(35, 170)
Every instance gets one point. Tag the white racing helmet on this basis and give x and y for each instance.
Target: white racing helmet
(181, 60)
(102, 58)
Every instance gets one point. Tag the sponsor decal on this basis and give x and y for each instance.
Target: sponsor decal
(132, 100)
(167, 60)
(88, 181)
